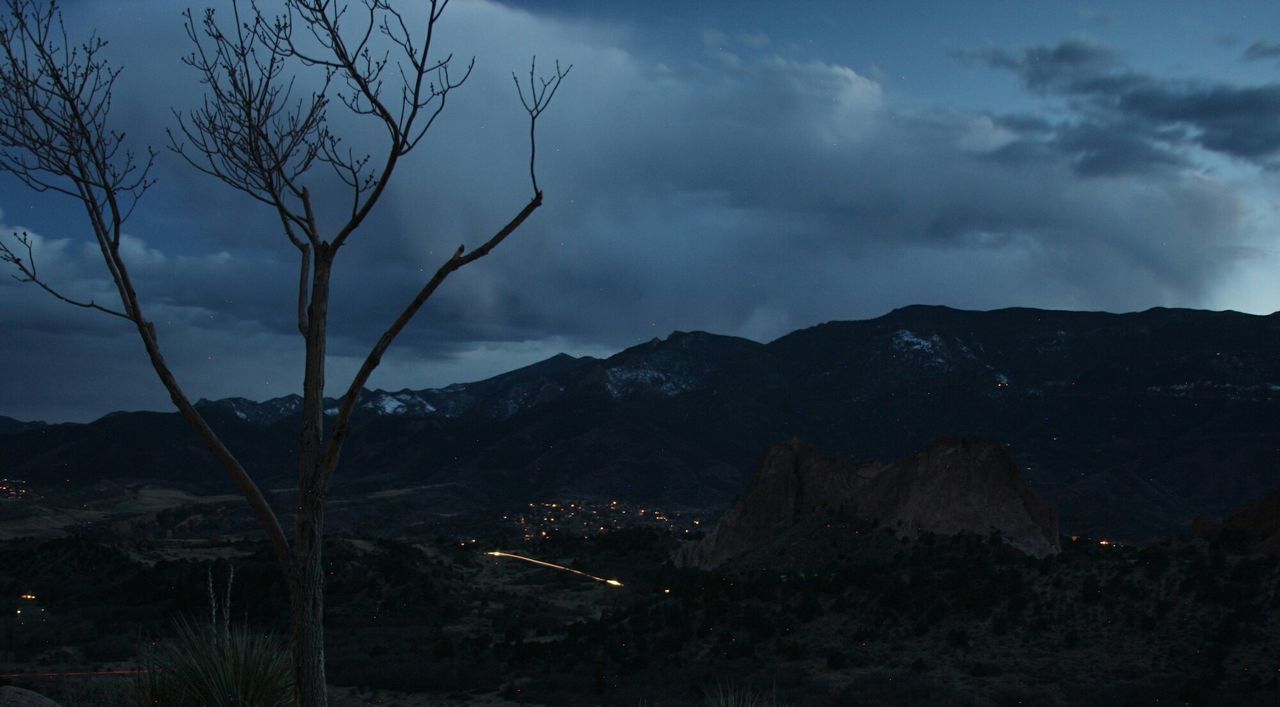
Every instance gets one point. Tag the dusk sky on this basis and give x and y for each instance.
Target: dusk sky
(741, 167)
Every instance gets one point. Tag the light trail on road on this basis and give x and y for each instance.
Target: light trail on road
(554, 566)
(88, 673)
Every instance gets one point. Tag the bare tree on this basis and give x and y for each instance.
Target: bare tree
(257, 134)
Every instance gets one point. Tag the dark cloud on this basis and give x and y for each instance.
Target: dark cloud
(1237, 121)
(1261, 51)
(748, 196)
(1096, 144)
(1024, 123)
(1074, 66)
(1131, 121)
(1101, 148)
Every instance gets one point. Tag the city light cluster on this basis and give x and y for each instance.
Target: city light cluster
(14, 488)
(548, 519)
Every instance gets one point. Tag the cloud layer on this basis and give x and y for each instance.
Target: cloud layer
(1125, 120)
(746, 190)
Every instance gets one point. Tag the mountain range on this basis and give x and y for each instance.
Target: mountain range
(1130, 424)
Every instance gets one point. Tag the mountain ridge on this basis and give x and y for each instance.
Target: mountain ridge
(1132, 424)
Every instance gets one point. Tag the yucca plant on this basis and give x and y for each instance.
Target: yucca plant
(218, 665)
(738, 696)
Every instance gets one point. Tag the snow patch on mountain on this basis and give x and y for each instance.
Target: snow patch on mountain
(388, 405)
(1228, 390)
(905, 339)
(932, 351)
(398, 404)
(255, 413)
(623, 380)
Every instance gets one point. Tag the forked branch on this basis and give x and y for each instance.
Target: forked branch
(251, 132)
(542, 90)
(342, 425)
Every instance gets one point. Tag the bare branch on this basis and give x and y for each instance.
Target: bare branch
(541, 92)
(342, 424)
(250, 132)
(27, 268)
(317, 33)
(55, 99)
(304, 276)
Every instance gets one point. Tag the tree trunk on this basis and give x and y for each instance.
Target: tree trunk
(307, 607)
(307, 572)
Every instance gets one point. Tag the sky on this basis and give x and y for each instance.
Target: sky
(745, 168)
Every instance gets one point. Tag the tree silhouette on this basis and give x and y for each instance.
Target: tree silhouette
(257, 134)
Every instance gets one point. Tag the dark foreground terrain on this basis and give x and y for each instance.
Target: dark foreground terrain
(850, 615)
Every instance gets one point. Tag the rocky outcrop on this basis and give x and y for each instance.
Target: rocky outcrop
(952, 486)
(961, 485)
(793, 480)
(1254, 529)
(11, 696)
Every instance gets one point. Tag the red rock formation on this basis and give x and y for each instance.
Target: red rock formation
(958, 485)
(952, 486)
(793, 480)
(1255, 527)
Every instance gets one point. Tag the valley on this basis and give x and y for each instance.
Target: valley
(936, 506)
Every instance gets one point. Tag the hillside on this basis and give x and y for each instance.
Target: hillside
(1130, 424)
